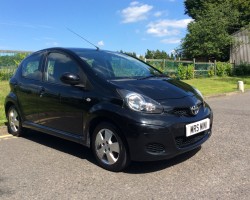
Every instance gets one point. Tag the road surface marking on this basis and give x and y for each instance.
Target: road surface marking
(6, 137)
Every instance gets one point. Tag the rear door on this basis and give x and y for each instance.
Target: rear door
(28, 86)
(61, 106)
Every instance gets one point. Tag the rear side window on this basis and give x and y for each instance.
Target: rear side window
(31, 67)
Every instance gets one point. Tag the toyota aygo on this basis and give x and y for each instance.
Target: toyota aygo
(120, 107)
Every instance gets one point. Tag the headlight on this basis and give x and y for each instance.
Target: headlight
(140, 103)
(198, 92)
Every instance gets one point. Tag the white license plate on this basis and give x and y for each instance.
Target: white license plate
(197, 127)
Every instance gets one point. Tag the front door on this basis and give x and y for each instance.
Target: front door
(61, 106)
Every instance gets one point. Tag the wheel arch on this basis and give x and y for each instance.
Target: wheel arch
(100, 119)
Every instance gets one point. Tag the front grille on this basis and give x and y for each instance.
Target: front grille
(155, 148)
(183, 111)
(183, 141)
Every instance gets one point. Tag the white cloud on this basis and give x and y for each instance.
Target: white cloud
(158, 14)
(171, 41)
(100, 43)
(167, 27)
(134, 3)
(54, 44)
(135, 12)
(160, 32)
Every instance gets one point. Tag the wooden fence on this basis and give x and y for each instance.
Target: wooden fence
(201, 69)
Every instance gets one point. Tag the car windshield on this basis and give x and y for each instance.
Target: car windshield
(112, 65)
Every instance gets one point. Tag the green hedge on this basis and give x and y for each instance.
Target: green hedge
(242, 69)
(223, 69)
(185, 72)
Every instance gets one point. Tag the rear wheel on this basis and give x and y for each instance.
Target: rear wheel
(109, 148)
(14, 122)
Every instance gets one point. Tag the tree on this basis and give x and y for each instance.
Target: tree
(196, 8)
(209, 34)
(149, 54)
(156, 54)
(133, 54)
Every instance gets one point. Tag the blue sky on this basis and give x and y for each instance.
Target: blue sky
(132, 26)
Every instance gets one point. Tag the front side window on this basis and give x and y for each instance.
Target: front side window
(57, 65)
(31, 67)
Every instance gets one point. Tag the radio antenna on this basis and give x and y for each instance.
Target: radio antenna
(97, 48)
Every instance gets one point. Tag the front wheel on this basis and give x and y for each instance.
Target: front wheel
(14, 122)
(109, 148)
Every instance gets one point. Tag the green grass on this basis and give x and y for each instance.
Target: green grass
(4, 90)
(218, 85)
(208, 86)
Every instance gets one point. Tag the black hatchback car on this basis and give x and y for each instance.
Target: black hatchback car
(115, 104)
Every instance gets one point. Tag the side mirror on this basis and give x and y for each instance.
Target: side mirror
(70, 78)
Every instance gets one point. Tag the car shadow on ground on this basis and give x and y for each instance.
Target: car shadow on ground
(83, 152)
(147, 167)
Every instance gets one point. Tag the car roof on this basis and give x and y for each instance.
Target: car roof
(73, 49)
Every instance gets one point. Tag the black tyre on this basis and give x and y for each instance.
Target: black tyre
(14, 122)
(109, 148)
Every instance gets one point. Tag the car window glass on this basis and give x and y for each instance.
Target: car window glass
(124, 68)
(57, 65)
(111, 65)
(31, 67)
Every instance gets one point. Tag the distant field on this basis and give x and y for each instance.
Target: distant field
(208, 86)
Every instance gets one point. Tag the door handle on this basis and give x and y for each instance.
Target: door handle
(42, 90)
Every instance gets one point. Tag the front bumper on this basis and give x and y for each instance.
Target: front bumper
(149, 142)
(155, 143)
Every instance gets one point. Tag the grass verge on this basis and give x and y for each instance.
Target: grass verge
(218, 85)
(4, 90)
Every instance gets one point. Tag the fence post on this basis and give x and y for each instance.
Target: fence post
(194, 66)
(164, 65)
(215, 67)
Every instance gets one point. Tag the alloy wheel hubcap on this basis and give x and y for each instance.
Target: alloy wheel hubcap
(14, 120)
(107, 146)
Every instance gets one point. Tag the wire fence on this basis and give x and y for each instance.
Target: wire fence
(170, 67)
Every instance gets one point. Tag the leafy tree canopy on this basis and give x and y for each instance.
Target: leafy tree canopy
(151, 54)
(209, 35)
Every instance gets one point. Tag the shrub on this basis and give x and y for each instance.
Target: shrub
(223, 69)
(182, 71)
(185, 72)
(5, 75)
(242, 69)
(210, 71)
(190, 72)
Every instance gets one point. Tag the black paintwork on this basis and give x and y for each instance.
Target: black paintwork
(72, 111)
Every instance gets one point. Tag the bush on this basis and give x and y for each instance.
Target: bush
(182, 71)
(185, 72)
(210, 71)
(242, 69)
(190, 72)
(5, 75)
(223, 69)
